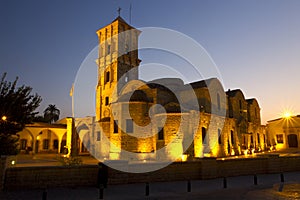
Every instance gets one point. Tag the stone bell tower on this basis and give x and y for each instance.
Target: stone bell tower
(117, 63)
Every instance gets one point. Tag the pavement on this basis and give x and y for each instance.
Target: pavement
(269, 186)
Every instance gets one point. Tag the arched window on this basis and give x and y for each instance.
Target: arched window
(232, 137)
(219, 136)
(106, 101)
(161, 133)
(108, 49)
(116, 127)
(107, 77)
(203, 135)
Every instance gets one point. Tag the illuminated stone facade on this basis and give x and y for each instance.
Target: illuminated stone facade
(284, 133)
(222, 123)
(164, 119)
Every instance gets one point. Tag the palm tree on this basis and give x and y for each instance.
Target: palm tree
(51, 113)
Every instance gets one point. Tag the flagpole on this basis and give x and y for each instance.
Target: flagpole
(72, 95)
(72, 106)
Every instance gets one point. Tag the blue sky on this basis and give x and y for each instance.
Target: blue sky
(255, 44)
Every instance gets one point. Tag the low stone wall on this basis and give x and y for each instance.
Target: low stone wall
(42, 177)
(173, 172)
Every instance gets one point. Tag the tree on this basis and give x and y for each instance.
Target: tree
(39, 118)
(17, 108)
(51, 114)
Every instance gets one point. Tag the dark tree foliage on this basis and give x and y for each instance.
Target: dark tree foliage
(17, 108)
(39, 118)
(51, 113)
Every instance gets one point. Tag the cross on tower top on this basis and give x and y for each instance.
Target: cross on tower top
(119, 11)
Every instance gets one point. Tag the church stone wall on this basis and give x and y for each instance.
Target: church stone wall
(221, 115)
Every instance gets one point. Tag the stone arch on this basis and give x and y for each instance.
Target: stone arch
(26, 140)
(47, 141)
(85, 142)
(83, 131)
(63, 148)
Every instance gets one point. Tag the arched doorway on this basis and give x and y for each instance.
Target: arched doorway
(25, 141)
(86, 142)
(63, 147)
(46, 142)
(293, 141)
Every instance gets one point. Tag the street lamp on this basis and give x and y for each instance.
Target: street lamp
(4, 118)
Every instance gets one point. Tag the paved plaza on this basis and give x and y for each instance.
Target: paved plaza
(269, 186)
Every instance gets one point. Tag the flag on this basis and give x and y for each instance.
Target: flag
(72, 90)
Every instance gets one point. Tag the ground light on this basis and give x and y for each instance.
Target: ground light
(13, 162)
(4, 118)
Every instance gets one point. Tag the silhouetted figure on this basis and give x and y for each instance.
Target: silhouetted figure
(102, 175)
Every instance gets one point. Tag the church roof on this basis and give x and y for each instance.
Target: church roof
(119, 19)
(232, 93)
(46, 125)
(202, 83)
(157, 86)
(251, 101)
(136, 96)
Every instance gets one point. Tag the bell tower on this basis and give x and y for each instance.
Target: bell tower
(117, 62)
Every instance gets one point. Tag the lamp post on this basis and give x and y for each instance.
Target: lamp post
(4, 118)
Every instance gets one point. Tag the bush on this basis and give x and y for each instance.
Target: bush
(71, 161)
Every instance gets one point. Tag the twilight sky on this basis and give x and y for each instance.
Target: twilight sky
(255, 44)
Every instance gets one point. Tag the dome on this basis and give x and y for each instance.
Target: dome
(136, 96)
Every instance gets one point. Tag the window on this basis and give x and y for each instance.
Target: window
(279, 138)
(106, 101)
(219, 136)
(203, 135)
(116, 128)
(218, 102)
(232, 137)
(161, 133)
(228, 146)
(23, 144)
(251, 138)
(258, 138)
(55, 144)
(129, 126)
(98, 136)
(46, 144)
(107, 77)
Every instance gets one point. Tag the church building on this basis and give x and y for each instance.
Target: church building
(152, 121)
(164, 119)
